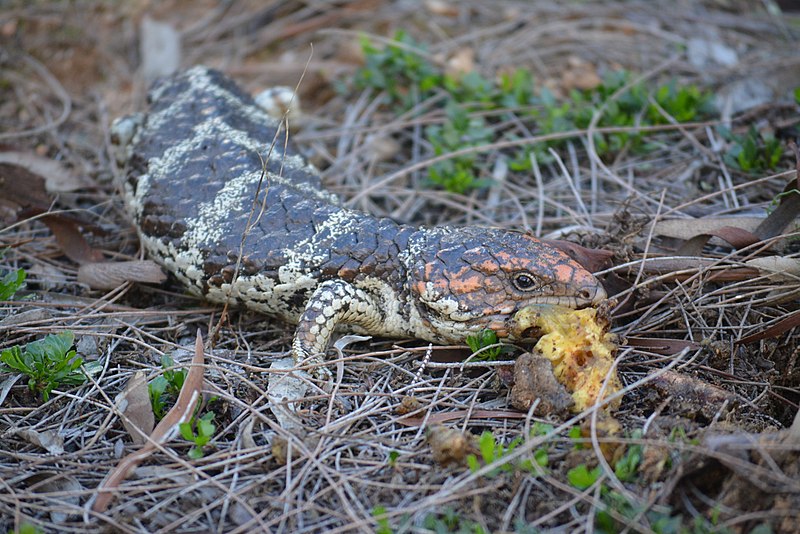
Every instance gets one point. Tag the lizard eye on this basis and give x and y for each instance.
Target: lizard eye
(524, 281)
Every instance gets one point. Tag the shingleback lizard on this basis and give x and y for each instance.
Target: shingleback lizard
(194, 187)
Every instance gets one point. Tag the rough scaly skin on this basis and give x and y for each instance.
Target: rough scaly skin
(194, 167)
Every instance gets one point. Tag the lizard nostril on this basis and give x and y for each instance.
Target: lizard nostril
(592, 294)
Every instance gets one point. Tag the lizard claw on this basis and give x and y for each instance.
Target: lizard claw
(322, 374)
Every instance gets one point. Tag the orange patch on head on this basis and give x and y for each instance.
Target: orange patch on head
(503, 256)
(499, 328)
(464, 283)
(566, 273)
(486, 266)
(520, 264)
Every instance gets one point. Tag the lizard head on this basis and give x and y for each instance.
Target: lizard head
(464, 280)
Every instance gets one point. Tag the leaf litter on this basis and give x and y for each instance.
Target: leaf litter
(707, 329)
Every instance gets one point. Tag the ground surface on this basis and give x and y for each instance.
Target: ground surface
(704, 440)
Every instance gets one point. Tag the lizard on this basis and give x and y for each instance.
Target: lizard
(239, 218)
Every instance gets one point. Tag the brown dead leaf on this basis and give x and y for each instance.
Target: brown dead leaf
(789, 207)
(286, 390)
(110, 275)
(25, 180)
(664, 346)
(665, 266)
(20, 188)
(57, 487)
(350, 52)
(49, 440)
(190, 394)
(777, 268)
(737, 231)
(134, 405)
(736, 237)
(655, 460)
(472, 415)
(246, 433)
(787, 323)
(591, 259)
(691, 395)
(605, 427)
(688, 228)
(70, 239)
(57, 178)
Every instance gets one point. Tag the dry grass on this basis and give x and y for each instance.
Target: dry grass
(60, 84)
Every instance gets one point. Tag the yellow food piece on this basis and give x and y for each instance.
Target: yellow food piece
(581, 349)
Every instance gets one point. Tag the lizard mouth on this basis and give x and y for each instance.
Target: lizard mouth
(506, 326)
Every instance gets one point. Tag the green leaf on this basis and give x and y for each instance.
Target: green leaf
(627, 466)
(47, 362)
(472, 463)
(379, 513)
(487, 445)
(10, 283)
(156, 389)
(28, 528)
(541, 457)
(204, 425)
(13, 360)
(581, 477)
(186, 431)
(575, 434)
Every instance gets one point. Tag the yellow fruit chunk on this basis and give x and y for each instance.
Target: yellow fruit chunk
(579, 346)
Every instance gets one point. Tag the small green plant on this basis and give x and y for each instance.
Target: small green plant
(379, 513)
(27, 528)
(165, 388)
(576, 435)
(393, 457)
(448, 520)
(491, 450)
(628, 465)
(487, 343)
(582, 477)
(752, 152)
(541, 429)
(460, 130)
(48, 363)
(682, 103)
(11, 282)
(403, 72)
(204, 432)
(399, 69)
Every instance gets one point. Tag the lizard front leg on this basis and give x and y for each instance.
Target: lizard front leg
(334, 302)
